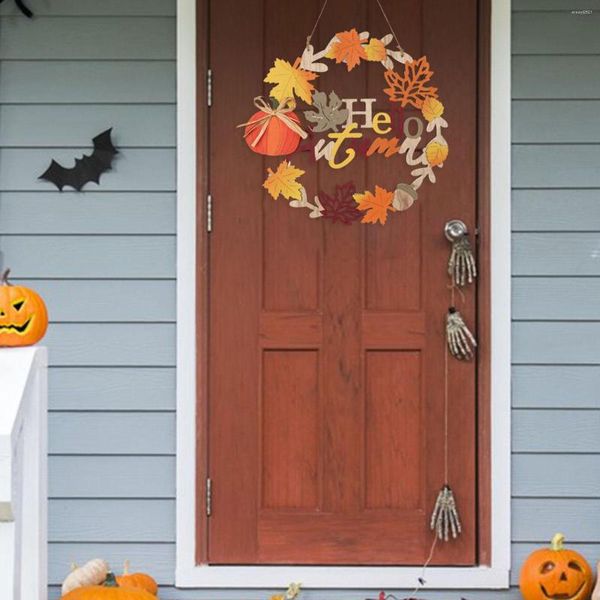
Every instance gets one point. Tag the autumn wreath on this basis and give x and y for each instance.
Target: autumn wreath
(276, 130)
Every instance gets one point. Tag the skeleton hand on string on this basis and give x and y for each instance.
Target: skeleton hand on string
(461, 265)
(461, 341)
(444, 519)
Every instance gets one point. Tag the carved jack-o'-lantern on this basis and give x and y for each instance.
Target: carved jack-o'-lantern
(556, 573)
(23, 315)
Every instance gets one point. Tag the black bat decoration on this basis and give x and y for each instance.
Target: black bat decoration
(22, 8)
(87, 168)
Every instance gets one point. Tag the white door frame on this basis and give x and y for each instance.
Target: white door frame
(188, 573)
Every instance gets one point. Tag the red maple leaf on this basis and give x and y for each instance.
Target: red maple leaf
(341, 207)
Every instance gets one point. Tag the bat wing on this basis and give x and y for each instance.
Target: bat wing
(57, 175)
(87, 168)
(104, 151)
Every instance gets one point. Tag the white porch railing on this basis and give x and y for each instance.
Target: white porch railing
(23, 474)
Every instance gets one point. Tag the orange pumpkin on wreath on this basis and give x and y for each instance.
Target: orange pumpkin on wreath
(556, 573)
(274, 131)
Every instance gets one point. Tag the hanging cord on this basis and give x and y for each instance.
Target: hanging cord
(421, 579)
(309, 37)
(389, 24)
(446, 377)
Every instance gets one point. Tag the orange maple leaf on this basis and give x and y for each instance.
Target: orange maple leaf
(410, 88)
(375, 206)
(347, 48)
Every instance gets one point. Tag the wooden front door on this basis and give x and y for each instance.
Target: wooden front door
(323, 383)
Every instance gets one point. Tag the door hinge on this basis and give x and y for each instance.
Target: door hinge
(208, 496)
(209, 213)
(209, 87)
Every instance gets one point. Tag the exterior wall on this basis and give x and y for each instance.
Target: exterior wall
(105, 260)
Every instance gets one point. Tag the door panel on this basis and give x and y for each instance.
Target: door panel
(326, 341)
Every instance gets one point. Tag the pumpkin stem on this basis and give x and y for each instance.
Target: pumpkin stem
(557, 541)
(126, 566)
(5, 277)
(111, 580)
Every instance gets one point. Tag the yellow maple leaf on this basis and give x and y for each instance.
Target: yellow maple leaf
(375, 206)
(283, 181)
(290, 80)
(347, 48)
(375, 50)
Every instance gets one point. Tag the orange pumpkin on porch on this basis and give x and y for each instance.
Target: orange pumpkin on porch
(110, 590)
(277, 139)
(556, 573)
(137, 580)
(23, 314)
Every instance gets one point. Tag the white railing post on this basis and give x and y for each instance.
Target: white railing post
(23, 474)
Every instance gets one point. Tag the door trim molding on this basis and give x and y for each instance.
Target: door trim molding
(188, 573)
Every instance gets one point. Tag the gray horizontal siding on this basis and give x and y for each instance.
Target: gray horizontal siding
(133, 82)
(564, 6)
(549, 298)
(556, 430)
(111, 477)
(556, 210)
(555, 121)
(86, 8)
(552, 386)
(106, 256)
(110, 344)
(82, 66)
(95, 212)
(112, 388)
(112, 301)
(58, 125)
(87, 433)
(563, 254)
(573, 165)
(555, 77)
(89, 38)
(555, 33)
(114, 520)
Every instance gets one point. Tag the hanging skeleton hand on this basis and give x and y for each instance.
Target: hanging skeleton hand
(445, 519)
(461, 265)
(461, 341)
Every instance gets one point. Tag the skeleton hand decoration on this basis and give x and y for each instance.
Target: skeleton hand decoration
(461, 265)
(461, 342)
(445, 519)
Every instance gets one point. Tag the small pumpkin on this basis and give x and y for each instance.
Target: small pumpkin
(23, 314)
(109, 590)
(268, 134)
(93, 572)
(137, 580)
(556, 573)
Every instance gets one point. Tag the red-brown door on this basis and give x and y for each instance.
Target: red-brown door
(325, 350)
